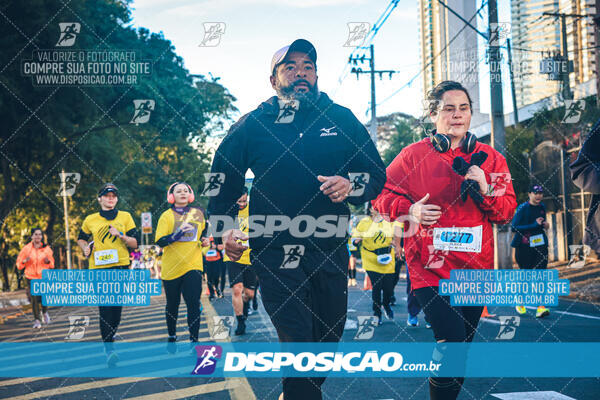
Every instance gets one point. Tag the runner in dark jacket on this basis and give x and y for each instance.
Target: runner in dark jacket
(309, 156)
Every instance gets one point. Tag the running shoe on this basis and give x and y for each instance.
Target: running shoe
(412, 320)
(241, 327)
(427, 325)
(387, 310)
(542, 312)
(46, 318)
(378, 320)
(37, 324)
(353, 282)
(112, 359)
(171, 344)
(521, 309)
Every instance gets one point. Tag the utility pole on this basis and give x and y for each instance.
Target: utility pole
(372, 71)
(565, 64)
(63, 182)
(597, 50)
(497, 109)
(512, 82)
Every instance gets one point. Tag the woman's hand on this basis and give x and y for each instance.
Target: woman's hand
(475, 173)
(426, 214)
(114, 231)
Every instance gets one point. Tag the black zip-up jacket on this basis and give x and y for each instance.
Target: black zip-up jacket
(286, 159)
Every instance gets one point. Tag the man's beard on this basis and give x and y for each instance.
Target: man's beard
(306, 99)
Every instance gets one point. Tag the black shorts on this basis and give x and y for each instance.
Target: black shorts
(241, 273)
(532, 257)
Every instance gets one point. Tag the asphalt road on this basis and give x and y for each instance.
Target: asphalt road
(571, 321)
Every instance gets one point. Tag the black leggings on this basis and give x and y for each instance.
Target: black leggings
(382, 283)
(36, 302)
(110, 318)
(190, 285)
(213, 271)
(449, 324)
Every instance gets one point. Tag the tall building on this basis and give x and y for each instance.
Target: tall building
(533, 33)
(448, 49)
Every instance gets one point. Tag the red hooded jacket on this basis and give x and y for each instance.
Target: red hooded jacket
(419, 169)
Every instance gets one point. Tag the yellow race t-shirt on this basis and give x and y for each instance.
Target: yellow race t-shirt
(243, 224)
(375, 235)
(184, 254)
(108, 251)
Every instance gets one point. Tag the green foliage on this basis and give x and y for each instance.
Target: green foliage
(87, 129)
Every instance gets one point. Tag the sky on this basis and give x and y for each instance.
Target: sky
(255, 29)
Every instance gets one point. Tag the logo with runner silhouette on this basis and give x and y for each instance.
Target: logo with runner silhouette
(500, 180)
(212, 183)
(68, 183)
(508, 327)
(221, 327)
(436, 257)
(357, 33)
(573, 111)
(207, 359)
(366, 327)
(68, 33)
(292, 255)
(77, 325)
(498, 31)
(143, 109)
(287, 111)
(212, 34)
(359, 181)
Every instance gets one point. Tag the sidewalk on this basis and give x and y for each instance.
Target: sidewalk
(13, 305)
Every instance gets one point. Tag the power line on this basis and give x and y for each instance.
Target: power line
(483, 4)
(369, 39)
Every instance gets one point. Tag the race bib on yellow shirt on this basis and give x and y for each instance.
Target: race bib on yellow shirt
(467, 240)
(104, 257)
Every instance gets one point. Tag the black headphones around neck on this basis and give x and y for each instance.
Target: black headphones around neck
(441, 142)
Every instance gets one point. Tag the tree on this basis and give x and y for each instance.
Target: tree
(87, 129)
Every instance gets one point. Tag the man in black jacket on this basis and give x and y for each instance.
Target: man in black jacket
(304, 151)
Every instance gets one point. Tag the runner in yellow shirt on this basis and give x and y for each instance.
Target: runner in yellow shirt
(112, 232)
(242, 278)
(181, 232)
(377, 254)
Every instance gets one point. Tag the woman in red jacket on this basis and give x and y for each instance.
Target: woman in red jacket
(440, 186)
(35, 257)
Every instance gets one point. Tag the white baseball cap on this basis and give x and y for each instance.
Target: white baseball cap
(300, 45)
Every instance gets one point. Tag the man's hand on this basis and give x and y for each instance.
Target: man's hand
(233, 249)
(546, 225)
(475, 173)
(86, 251)
(426, 214)
(335, 187)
